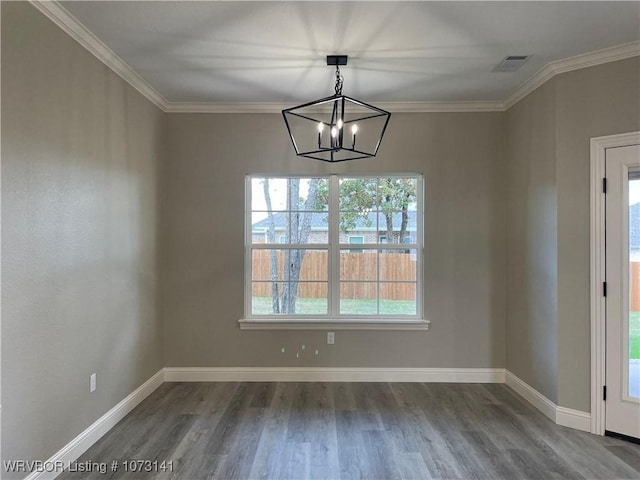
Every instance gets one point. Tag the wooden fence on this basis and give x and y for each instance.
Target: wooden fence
(354, 268)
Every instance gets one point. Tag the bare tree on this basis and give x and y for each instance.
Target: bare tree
(300, 218)
(271, 238)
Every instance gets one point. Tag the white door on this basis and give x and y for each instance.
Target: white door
(623, 290)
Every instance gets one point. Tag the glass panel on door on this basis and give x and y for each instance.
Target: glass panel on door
(633, 331)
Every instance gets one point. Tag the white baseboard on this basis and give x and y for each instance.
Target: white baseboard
(568, 417)
(321, 374)
(76, 447)
(531, 395)
(563, 416)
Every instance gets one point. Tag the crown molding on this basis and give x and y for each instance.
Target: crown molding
(81, 34)
(225, 107)
(551, 69)
(277, 107)
(76, 30)
(440, 107)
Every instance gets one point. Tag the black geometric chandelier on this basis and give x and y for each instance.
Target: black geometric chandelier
(336, 128)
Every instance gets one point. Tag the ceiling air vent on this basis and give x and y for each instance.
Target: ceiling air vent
(511, 63)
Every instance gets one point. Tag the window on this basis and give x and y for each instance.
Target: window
(307, 270)
(356, 240)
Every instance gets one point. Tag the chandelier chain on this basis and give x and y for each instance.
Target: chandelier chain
(339, 81)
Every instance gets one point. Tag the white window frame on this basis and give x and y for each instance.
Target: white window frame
(334, 321)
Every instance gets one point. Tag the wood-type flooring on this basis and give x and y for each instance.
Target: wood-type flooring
(350, 431)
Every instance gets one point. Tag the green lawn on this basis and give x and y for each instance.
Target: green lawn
(634, 335)
(311, 306)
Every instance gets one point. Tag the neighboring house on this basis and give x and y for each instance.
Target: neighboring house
(365, 231)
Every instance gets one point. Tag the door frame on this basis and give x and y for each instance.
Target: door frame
(599, 146)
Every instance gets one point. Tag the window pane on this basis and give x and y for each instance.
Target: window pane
(307, 227)
(276, 194)
(304, 298)
(398, 265)
(402, 224)
(289, 265)
(398, 299)
(308, 194)
(358, 224)
(267, 265)
(265, 229)
(293, 194)
(311, 298)
(633, 332)
(289, 298)
(357, 194)
(358, 298)
(397, 194)
(307, 265)
(358, 266)
(266, 298)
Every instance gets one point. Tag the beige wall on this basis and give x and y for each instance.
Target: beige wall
(592, 102)
(80, 155)
(548, 299)
(531, 287)
(462, 158)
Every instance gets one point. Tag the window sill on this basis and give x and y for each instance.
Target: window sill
(337, 324)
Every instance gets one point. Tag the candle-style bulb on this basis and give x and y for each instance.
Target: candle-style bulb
(339, 123)
(354, 129)
(320, 128)
(334, 135)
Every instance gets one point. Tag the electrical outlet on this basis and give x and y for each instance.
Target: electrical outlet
(92, 383)
(331, 338)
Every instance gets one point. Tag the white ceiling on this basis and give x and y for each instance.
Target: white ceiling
(398, 51)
